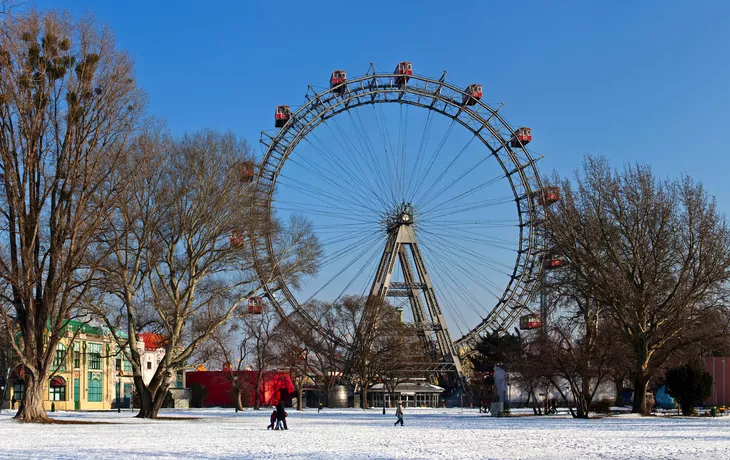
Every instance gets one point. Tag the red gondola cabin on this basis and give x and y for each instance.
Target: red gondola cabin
(473, 94)
(237, 240)
(548, 195)
(402, 72)
(283, 114)
(337, 78)
(531, 321)
(551, 262)
(255, 305)
(523, 136)
(247, 172)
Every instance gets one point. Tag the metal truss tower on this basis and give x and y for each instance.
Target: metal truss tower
(428, 320)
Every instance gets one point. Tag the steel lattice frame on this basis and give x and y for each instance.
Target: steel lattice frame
(483, 121)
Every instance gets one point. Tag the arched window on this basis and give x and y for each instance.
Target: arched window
(59, 360)
(57, 389)
(94, 387)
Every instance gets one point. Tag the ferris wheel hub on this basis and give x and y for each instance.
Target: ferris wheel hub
(402, 214)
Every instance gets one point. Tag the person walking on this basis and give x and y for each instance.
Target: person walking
(319, 409)
(399, 414)
(272, 420)
(281, 415)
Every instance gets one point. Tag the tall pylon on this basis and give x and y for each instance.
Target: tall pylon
(428, 320)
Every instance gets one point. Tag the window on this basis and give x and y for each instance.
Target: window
(94, 387)
(149, 364)
(127, 365)
(95, 356)
(59, 360)
(18, 391)
(57, 389)
(77, 356)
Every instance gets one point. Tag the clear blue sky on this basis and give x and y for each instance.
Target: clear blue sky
(644, 81)
(636, 81)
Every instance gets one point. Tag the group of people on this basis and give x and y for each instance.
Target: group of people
(278, 418)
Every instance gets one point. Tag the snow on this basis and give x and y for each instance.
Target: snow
(357, 434)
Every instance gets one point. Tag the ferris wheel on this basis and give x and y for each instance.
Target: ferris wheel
(419, 192)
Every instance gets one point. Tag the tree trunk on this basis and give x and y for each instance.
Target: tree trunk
(364, 393)
(31, 406)
(150, 401)
(300, 394)
(239, 400)
(641, 383)
(257, 393)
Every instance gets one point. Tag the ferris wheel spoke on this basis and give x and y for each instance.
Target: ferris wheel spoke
(343, 252)
(344, 190)
(350, 152)
(461, 291)
(375, 164)
(498, 223)
(388, 147)
(333, 159)
(460, 233)
(415, 171)
(449, 239)
(341, 271)
(328, 209)
(316, 192)
(368, 261)
(483, 261)
(472, 206)
(372, 165)
(443, 257)
(403, 146)
(431, 162)
(347, 189)
(429, 190)
(450, 306)
(461, 196)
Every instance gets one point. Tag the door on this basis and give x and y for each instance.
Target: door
(77, 396)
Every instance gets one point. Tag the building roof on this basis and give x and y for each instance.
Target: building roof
(84, 327)
(409, 387)
(152, 341)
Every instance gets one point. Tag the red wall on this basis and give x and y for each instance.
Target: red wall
(719, 369)
(274, 386)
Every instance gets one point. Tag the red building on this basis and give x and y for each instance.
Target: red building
(276, 386)
(719, 369)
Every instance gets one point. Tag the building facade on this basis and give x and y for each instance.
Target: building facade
(411, 394)
(83, 372)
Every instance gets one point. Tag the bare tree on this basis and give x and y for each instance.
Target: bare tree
(175, 269)
(260, 332)
(375, 337)
(292, 354)
(325, 353)
(68, 104)
(231, 350)
(655, 253)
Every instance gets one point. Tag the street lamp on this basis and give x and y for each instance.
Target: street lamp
(2, 397)
(119, 390)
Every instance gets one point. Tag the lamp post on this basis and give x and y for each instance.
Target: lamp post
(119, 390)
(2, 397)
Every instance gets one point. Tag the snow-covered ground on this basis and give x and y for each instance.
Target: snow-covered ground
(354, 434)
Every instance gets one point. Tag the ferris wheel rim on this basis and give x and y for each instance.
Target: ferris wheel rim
(322, 106)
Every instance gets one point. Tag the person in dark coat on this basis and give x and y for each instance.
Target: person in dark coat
(272, 420)
(281, 415)
(399, 414)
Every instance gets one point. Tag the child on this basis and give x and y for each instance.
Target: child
(272, 419)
